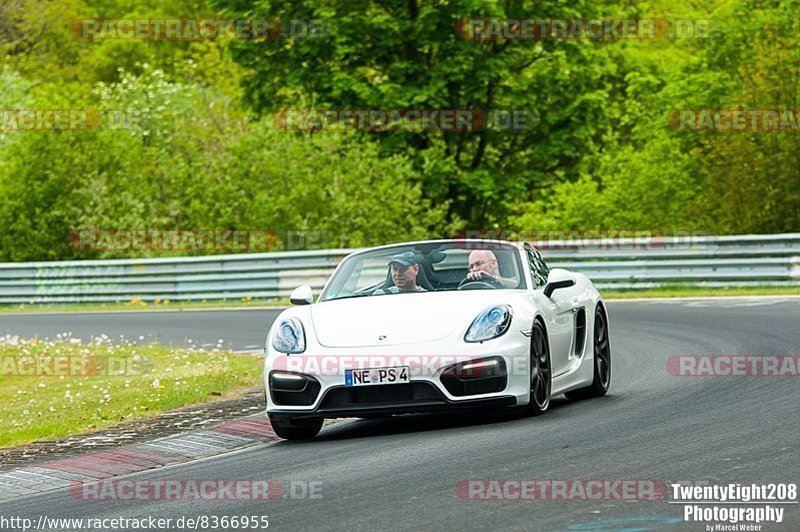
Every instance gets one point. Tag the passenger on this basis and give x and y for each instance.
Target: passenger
(483, 263)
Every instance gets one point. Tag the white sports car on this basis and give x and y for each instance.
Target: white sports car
(435, 326)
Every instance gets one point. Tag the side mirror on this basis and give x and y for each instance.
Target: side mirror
(558, 278)
(301, 295)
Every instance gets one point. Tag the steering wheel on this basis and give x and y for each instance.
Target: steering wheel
(485, 281)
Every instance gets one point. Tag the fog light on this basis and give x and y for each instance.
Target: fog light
(485, 368)
(287, 381)
(293, 389)
(476, 377)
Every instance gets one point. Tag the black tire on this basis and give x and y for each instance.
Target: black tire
(602, 360)
(296, 429)
(541, 376)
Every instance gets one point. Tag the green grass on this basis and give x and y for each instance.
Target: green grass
(136, 304)
(679, 291)
(109, 384)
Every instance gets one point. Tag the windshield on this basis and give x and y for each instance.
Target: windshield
(427, 267)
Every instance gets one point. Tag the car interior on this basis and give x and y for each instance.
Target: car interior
(446, 269)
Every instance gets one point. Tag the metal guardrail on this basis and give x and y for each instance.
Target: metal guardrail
(747, 260)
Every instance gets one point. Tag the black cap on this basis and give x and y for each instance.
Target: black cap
(404, 259)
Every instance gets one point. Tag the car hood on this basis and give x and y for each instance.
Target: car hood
(398, 318)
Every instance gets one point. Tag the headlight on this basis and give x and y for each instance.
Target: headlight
(490, 323)
(289, 337)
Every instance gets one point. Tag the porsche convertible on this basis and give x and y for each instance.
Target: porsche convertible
(435, 326)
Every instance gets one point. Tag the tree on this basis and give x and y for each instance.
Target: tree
(385, 55)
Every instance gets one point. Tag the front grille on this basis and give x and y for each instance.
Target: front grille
(381, 394)
(461, 388)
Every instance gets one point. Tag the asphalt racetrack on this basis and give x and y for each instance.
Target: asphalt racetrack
(403, 473)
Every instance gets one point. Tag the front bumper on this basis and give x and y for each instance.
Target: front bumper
(429, 391)
(389, 399)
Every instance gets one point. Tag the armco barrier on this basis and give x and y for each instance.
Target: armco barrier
(747, 260)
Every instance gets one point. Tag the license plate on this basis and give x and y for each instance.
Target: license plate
(370, 376)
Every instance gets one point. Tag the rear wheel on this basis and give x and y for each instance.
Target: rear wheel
(541, 377)
(602, 360)
(296, 429)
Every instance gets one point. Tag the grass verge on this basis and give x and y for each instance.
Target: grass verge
(682, 291)
(137, 304)
(66, 387)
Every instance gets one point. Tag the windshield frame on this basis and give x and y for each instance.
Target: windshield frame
(345, 268)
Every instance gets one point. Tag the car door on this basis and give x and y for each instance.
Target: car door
(560, 311)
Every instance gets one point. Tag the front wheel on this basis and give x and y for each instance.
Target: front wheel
(602, 361)
(296, 429)
(541, 376)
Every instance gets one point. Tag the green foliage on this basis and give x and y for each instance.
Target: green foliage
(652, 177)
(175, 157)
(384, 55)
(188, 140)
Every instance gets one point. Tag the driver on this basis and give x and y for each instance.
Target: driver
(404, 275)
(483, 263)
